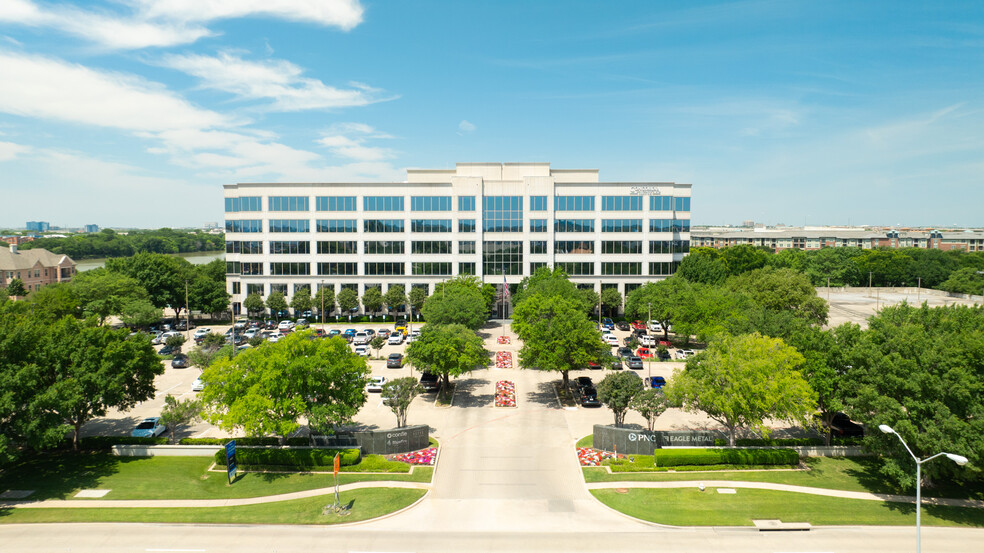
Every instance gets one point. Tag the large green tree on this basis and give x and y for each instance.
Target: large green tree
(266, 390)
(781, 290)
(104, 293)
(372, 300)
(16, 287)
(276, 302)
(254, 304)
(704, 266)
(457, 301)
(617, 390)
(661, 299)
(740, 381)
(398, 394)
(556, 334)
(324, 301)
(417, 298)
(448, 351)
(301, 300)
(965, 281)
(163, 276)
(744, 258)
(611, 299)
(395, 298)
(348, 300)
(650, 403)
(554, 282)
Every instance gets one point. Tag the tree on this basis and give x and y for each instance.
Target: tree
(448, 350)
(782, 290)
(104, 293)
(740, 381)
(556, 334)
(177, 413)
(205, 293)
(162, 276)
(377, 343)
(348, 300)
(372, 300)
(617, 390)
(395, 298)
(885, 267)
(457, 301)
(175, 341)
(837, 266)
(16, 287)
(418, 296)
(547, 282)
(650, 403)
(301, 301)
(611, 299)
(254, 304)
(264, 391)
(704, 266)
(744, 258)
(276, 302)
(58, 298)
(965, 281)
(139, 313)
(398, 395)
(324, 300)
(659, 301)
(212, 348)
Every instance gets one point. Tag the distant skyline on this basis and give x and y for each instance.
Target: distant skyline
(134, 113)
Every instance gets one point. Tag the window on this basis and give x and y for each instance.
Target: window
(502, 214)
(244, 225)
(385, 268)
(466, 246)
(466, 268)
(332, 269)
(662, 267)
(288, 203)
(538, 203)
(237, 268)
(573, 246)
(538, 225)
(254, 289)
(290, 247)
(290, 225)
(282, 288)
(335, 203)
(244, 203)
(669, 246)
(336, 225)
(574, 225)
(430, 203)
(428, 247)
(466, 203)
(681, 204)
(536, 265)
(669, 225)
(621, 225)
(383, 225)
(430, 225)
(382, 203)
(247, 247)
(621, 246)
(466, 225)
(383, 247)
(660, 203)
(576, 268)
(574, 203)
(338, 248)
(431, 268)
(502, 257)
(538, 246)
(621, 203)
(299, 287)
(290, 268)
(621, 268)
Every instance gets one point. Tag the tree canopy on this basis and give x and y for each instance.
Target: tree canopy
(448, 350)
(457, 301)
(556, 334)
(616, 391)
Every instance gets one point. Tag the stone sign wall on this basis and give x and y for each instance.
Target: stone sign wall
(382, 442)
(643, 442)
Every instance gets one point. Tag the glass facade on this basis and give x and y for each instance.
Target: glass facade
(288, 247)
(431, 268)
(430, 225)
(660, 268)
(466, 203)
(466, 225)
(385, 268)
(502, 257)
(574, 203)
(337, 225)
(574, 246)
(621, 225)
(244, 225)
(502, 214)
(431, 246)
(577, 268)
(466, 246)
(538, 225)
(466, 268)
(668, 203)
(621, 203)
(430, 203)
(383, 247)
(290, 268)
(669, 225)
(332, 269)
(244, 203)
(290, 225)
(335, 203)
(621, 246)
(574, 225)
(538, 203)
(382, 203)
(669, 246)
(382, 225)
(347, 247)
(621, 268)
(287, 203)
(538, 246)
(247, 247)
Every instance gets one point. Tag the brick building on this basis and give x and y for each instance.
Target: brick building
(35, 268)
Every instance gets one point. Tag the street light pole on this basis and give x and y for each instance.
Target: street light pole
(650, 305)
(958, 459)
(322, 292)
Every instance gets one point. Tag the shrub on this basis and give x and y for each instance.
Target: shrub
(224, 441)
(297, 458)
(766, 442)
(684, 457)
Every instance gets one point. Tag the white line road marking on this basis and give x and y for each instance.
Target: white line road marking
(172, 387)
(204, 433)
(176, 550)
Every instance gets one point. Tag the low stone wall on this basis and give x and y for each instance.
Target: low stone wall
(382, 442)
(165, 450)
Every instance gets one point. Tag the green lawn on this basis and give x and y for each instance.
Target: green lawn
(586, 441)
(60, 476)
(835, 473)
(366, 504)
(691, 507)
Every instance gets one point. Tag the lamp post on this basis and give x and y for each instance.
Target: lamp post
(958, 459)
(650, 306)
(322, 291)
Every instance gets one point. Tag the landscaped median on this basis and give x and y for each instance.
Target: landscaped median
(284, 487)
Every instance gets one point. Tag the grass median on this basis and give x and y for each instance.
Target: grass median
(365, 504)
(691, 507)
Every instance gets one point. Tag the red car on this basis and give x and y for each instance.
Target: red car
(638, 325)
(646, 353)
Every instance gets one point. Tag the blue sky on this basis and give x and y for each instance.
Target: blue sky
(135, 112)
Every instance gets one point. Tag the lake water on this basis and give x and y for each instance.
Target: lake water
(195, 258)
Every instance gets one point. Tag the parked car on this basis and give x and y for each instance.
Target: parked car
(360, 338)
(383, 333)
(663, 355)
(649, 340)
(589, 397)
(285, 326)
(307, 314)
(635, 363)
(625, 352)
(609, 339)
(249, 333)
(611, 362)
(350, 332)
(429, 381)
(362, 350)
(334, 332)
(646, 353)
(275, 336)
(684, 353)
(638, 332)
(184, 325)
(655, 382)
(149, 428)
(394, 361)
(168, 350)
(376, 384)
(168, 334)
(638, 325)
(270, 324)
(180, 361)
(843, 426)
(301, 324)
(583, 382)
(395, 339)
(608, 323)
(240, 323)
(197, 385)
(201, 333)
(655, 326)
(401, 325)
(622, 325)
(155, 337)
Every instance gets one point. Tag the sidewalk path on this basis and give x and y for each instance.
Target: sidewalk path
(974, 503)
(230, 502)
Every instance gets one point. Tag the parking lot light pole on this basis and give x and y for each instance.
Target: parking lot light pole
(958, 459)
(650, 305)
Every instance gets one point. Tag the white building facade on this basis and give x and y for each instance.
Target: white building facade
(497, 221)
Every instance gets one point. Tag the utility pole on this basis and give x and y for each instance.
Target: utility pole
(650, 305)
(918, 288)
(828, 289)
(187, 313)
(869, 283)
(322, 291)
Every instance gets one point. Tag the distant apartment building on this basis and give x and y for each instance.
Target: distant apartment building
(91, 228)
(38, 226)
(816, 238)
(35, 268)
(16, 239)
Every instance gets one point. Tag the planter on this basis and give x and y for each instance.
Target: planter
(424, 457)
(505, 394)
(503, 360)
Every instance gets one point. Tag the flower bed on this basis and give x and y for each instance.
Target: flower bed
(419, 457)
(590, 457)
(503, 360)
(504, 340)
(505, 394)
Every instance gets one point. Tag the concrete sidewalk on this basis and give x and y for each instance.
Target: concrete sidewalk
(973, 503)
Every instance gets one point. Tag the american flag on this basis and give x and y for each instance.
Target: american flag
(505, 287)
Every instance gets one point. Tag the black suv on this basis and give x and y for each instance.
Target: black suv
(589, 397)
(429, 382)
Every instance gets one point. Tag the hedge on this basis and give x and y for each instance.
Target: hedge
(807, 442)
(239, 441)
(684, 457)
(301, 458)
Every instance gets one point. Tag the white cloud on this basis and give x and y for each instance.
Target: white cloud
(9, 150)
(277, 80)
(348, 140)
(159, 23)
(466, 127)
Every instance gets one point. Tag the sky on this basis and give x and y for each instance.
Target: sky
(134, 113)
